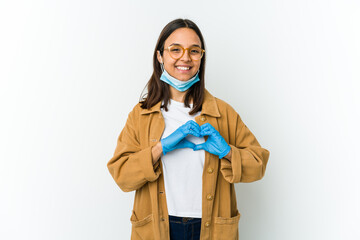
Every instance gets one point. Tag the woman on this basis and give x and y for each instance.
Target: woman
(182, 149)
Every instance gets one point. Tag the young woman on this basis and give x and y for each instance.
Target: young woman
(183, 149)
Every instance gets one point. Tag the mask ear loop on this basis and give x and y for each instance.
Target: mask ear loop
(162, 63)
(162, 67)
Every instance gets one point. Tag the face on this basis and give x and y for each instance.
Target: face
(186, 37)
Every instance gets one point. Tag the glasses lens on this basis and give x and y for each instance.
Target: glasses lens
(175, 51)
(195, 53)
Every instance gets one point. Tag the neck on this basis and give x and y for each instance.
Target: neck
(177, 95)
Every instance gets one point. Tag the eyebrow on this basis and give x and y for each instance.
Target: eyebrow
(196, 45)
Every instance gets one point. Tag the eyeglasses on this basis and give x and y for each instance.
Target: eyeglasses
(177, 51)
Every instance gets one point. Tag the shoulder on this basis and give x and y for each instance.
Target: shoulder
(137, 108)
(225, 108)
(228, 115)
(134, 112)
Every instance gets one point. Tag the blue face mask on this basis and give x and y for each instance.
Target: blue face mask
(177, 84)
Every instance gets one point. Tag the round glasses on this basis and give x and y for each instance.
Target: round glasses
(177, 51)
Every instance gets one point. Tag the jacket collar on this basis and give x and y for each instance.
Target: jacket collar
(209, 106)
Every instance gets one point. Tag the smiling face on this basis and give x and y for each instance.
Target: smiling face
(185, 37)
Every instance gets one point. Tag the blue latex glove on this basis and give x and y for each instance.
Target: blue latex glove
(177, 139)
(215, 143)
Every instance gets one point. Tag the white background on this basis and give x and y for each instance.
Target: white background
(71, 71)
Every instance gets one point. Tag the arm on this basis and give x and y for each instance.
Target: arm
(247, 160)
(132, 166)
(156, 152)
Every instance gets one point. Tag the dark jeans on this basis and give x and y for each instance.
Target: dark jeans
(184, 228)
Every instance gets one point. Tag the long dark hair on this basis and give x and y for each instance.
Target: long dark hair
(159, 90)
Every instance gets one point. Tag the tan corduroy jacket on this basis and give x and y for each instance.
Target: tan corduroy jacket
(132, 169)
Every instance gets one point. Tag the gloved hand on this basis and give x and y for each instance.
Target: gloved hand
(177, 138)
(215, 143)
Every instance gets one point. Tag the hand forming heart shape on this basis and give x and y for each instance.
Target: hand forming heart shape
(215, 143)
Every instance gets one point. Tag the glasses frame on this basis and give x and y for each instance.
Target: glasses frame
(184, 49)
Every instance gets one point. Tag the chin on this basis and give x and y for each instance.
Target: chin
(186, 77)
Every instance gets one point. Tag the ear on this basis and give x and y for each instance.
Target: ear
(159, 58)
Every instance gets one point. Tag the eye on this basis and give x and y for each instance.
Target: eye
(196, 50)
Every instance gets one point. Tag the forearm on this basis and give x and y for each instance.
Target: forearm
(156, 152)
(132, 171)
(246, 165)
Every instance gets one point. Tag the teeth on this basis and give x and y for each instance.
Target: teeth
(183, 68)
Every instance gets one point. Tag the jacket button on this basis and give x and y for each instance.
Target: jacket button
(209, 197)
(207, 224)
(203, 118)
(210, 170)
(162, 219)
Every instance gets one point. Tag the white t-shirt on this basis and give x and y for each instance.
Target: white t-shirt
(182, 168)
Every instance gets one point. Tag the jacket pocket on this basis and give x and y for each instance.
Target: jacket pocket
(142, 229)
(226, 228)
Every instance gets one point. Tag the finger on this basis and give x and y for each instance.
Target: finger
(188, 144)
(191, 123)
(209, 126)
(206, 128)
(186, 126)
(195, 133)
(205, 125)
(199, 147)
(206, 131)
(194, 125)
(209, 130)
(194, 129)
(188, 122)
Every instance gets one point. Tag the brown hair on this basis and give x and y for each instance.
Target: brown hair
(159, 90)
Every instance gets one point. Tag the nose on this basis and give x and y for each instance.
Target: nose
(186, 57)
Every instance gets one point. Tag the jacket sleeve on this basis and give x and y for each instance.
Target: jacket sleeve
(131, 166)
(248, 158)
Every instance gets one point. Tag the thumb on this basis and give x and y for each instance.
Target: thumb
(187, 144)
(199, 146)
